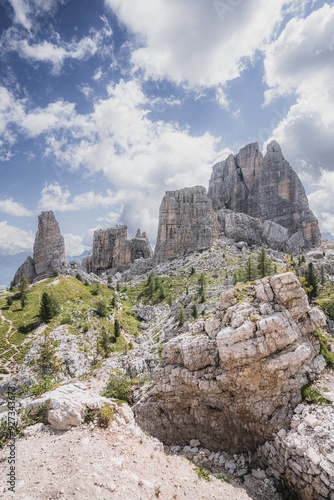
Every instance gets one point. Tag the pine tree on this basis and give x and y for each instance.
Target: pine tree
(169, 300)
(105, 342)
(47, 361)
(117, 329)
(24, 284)
(249, 274)
(78, 277)
(181, 317)
(203, 297)
(312, 281)
(201, 282)
(322, 275)
(48, 308)
(23, 300)
(101, 308)
(192, 271)
(162, 294)
(195, 312)
(264, 264)
(114, 302)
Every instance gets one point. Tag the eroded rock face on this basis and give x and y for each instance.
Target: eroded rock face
(266, 188)
(112, 249)
(187, 223)
(28, 269)
(238, 379)
(49, 246)
(49, 251)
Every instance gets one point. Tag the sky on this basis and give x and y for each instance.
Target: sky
(107, 104)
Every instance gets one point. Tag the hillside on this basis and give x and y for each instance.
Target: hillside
(83, 342)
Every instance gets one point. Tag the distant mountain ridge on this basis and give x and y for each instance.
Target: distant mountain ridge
(327, 236)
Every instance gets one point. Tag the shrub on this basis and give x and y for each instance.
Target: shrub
(86, 283)
(55, 273)
(9, 301)
(78, 277)
(104, 416)
(118, 387)
(66, 320)
(101, 308)
(96, 290)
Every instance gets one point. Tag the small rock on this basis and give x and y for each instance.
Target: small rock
(194, 443)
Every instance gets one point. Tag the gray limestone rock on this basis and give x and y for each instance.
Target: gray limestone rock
(49, 251)
(28, 269)
(240, 227)
(243, 375)
(187, 223)
(266, 188)
(274, 235)
(112, 250)
(49, 246)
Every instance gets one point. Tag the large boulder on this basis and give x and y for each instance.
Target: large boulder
(240, 227)
(237, 382)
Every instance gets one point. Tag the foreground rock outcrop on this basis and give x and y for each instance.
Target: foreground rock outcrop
(303, 457)
(112, 249)
(187, 223)
(266, 188)
(234, 379)
(49, 251)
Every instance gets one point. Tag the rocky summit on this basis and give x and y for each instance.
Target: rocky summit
(266, 188)
(49, 250)
(187, 222)
(112, 250)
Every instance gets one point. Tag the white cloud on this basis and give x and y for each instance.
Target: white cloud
(56, 53)
(74, 245)
(195, 42)
(55, 197)
(140, 158)
(14, 240)
(300, 62)
(25, 11)
(321, 201)
(98, 74)
(11, 207)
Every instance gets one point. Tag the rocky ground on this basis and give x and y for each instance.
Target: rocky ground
(121, 461)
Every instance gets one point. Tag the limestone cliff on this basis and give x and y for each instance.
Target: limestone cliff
(112, 249)
(234, 379)
(49, 246)
(187, 223)
(266, 188)
(49, 251)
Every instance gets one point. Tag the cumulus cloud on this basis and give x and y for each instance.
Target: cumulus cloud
(11, 207)
(321, 201)
(195, 42)
(300, 62)
(74, 245)
(141, 158)
(14, 240)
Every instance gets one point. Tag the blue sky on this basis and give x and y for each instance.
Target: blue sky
(106, 104)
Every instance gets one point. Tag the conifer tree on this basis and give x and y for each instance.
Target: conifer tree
(114, 302)
(24, 284)
(312, 281)
(322, 275)
(105, 342)
(249, 272)
(195, 312)
(117, 328)
(264, 264)
(49, 307)
(162, 294)
(47, 361)
(181, 317)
